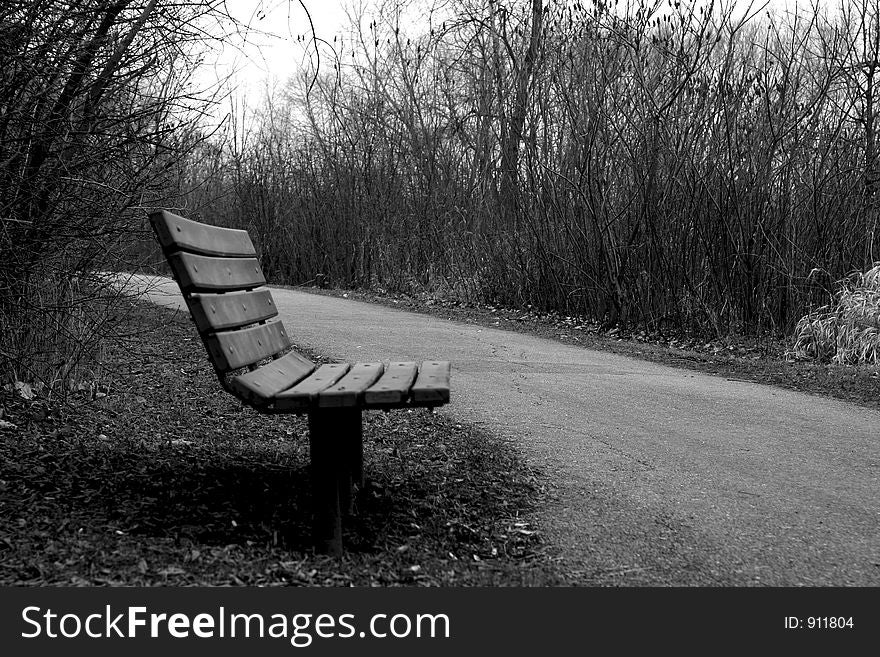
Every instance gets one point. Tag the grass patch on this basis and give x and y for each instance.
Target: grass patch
(154, 476)
(846, 332)
(53, 338)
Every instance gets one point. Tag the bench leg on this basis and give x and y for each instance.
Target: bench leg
(327, 472)
(337, 451)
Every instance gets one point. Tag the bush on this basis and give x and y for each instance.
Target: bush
(96, 113)
(846, 332)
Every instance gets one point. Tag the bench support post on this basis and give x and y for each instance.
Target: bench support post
(328, 474)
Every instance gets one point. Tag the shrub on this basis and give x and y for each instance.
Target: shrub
(847, 331)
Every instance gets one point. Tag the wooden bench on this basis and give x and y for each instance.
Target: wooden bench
(220, 278)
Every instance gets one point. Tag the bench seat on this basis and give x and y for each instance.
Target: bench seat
(292, 384)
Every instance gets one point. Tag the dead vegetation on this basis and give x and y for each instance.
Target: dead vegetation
(847, 331)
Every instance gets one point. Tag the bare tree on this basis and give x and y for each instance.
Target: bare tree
(680, 166)
(96, 111)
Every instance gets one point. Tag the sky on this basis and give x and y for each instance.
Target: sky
(273, 47)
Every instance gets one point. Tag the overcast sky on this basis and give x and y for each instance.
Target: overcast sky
(271, 49)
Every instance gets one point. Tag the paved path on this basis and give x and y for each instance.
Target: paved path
(662, 476)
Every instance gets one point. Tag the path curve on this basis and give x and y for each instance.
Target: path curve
(661, 476)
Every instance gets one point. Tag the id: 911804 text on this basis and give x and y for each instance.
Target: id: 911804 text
(819, 623)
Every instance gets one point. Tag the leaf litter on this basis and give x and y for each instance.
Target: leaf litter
(164, 479)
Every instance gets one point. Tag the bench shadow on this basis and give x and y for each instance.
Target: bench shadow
(233, 499)
(215, 502)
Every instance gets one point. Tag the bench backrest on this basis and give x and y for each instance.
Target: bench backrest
(224, 287)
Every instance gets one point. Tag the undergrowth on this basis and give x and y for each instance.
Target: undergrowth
(847, 331)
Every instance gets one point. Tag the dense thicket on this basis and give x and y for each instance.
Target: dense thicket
(667, 164)
(95, 115)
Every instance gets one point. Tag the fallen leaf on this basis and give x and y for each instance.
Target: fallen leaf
(172, 570)
(24, 389)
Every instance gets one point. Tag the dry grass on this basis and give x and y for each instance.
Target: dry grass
(846, 332)
(54, 339)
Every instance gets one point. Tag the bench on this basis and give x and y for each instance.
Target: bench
(223, 285)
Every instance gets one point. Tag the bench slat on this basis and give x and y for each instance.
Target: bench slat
(233, 349)
(432, 384)
(197, 272)
(175, 232)
(262, 384)
(349, 390)
(231, 310)
(393, 387)
(302, 396)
